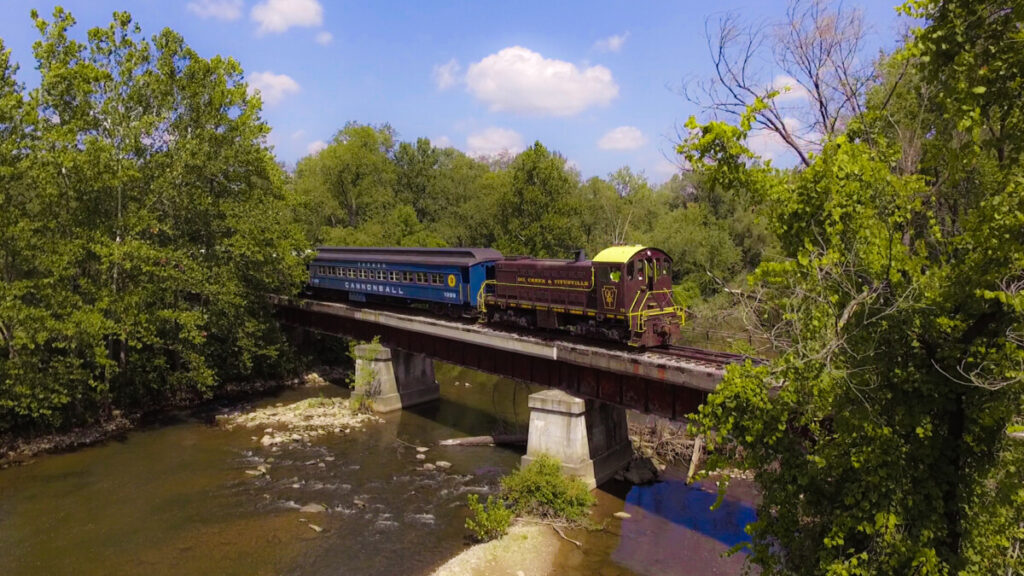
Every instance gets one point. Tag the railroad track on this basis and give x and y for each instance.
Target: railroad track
(707, 356)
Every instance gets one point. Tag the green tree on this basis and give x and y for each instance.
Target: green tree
(536, 214)
(162, 220)
(703, 254)
(417, 172)
(881, 436)
(349, 183)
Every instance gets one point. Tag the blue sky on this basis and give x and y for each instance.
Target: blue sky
(597, 81)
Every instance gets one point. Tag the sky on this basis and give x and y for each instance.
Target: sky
(598, 81)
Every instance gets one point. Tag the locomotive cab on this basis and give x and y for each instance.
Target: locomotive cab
(635, 283)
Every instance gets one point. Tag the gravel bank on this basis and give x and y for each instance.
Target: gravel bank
(527, 550)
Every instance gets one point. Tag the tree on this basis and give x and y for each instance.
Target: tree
(349, 183)
(158, 213)
(820, 72)
(882, 435)
(417, 173)
(536, 214)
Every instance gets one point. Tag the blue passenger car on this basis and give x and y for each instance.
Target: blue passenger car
(441, 277)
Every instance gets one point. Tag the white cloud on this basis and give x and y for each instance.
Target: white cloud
(442, 142)
(494, 141)
(272, 87)
(789, 89)
(519, 80)
(315, 146)
(298, 134)
(276, 16)
(447, 75)
(622, 138)
(219, 9)
(324, 38)
(612, 43)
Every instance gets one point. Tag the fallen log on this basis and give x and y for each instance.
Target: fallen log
(497, 440)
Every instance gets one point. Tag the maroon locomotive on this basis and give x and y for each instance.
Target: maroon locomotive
(623, 294)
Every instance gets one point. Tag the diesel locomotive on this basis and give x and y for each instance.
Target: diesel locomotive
(623, 294)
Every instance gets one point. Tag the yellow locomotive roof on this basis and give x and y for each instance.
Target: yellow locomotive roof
(618, 254)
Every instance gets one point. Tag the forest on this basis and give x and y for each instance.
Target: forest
(144, 219)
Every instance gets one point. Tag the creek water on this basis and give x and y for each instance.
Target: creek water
(179, 497)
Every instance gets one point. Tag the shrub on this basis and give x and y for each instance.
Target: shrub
(489, 520)
(540, 489)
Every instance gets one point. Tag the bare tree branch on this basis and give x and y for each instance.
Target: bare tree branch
(813, 62)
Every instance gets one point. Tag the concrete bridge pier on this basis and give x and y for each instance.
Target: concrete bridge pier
(394, 379)
(589, 437)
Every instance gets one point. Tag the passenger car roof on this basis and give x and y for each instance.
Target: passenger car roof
(428, 256)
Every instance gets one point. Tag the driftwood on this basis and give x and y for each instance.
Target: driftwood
(499, 440)
(698, 445)
(555, 527)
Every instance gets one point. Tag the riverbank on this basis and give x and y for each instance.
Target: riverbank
(16, 450)
(527, 549)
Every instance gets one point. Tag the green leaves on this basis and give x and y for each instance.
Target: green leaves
(141, 231)
(536, 214)
(878, 434)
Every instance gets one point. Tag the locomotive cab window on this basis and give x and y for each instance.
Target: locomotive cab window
(629, 270)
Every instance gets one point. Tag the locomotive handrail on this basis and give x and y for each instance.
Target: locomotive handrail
(642, 314)
(481, 300)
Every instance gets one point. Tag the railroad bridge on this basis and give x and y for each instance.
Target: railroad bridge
(581, 420)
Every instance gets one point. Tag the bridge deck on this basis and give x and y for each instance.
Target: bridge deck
(651, 381)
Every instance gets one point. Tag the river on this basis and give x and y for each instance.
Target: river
(179, 496)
